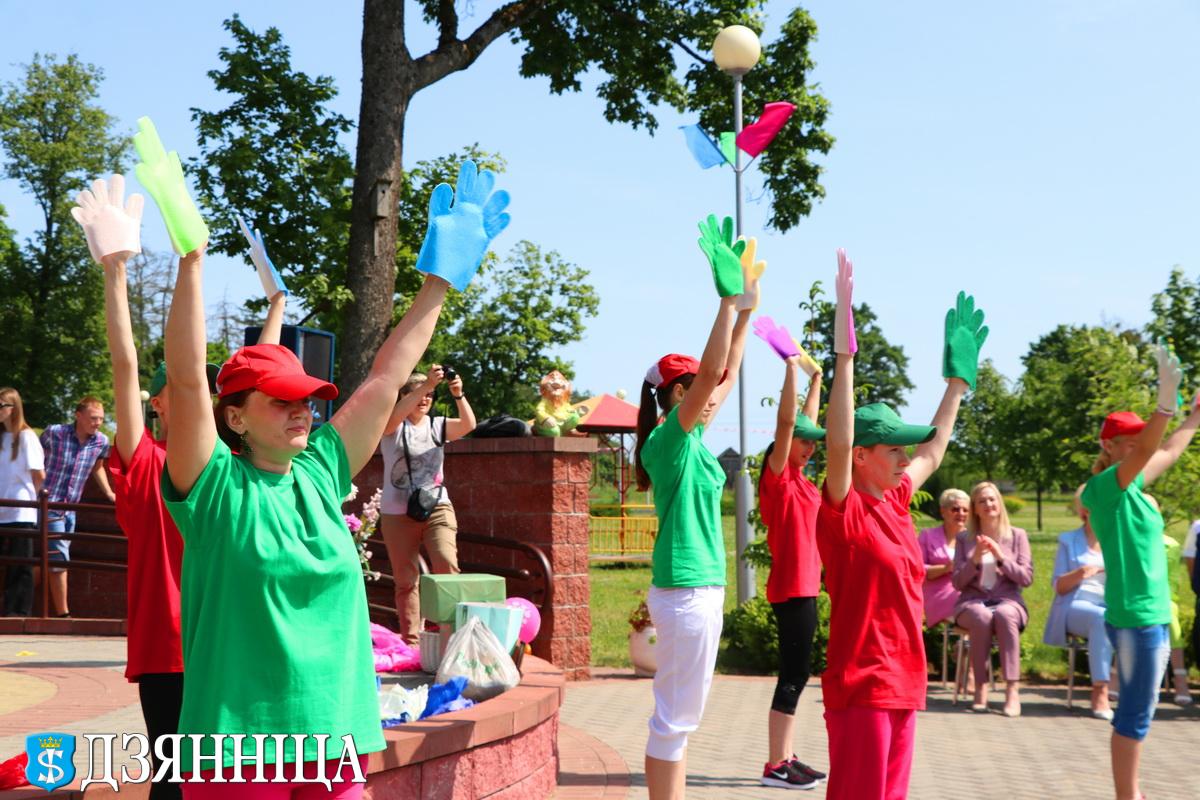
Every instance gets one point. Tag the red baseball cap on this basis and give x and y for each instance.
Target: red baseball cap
(273, 370)
(670, 367)
(1121, 423)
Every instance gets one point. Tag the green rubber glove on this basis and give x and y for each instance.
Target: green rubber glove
(162, 175)
(965, 335)
(724, 255)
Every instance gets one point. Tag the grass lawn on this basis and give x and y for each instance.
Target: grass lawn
(617, 588)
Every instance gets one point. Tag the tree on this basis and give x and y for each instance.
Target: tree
(880, 367)
(55, 139)
(273, 157)
(634, 44)
(981, 436)
(1176, 311)
(151, 279)
(498, 333)
(1074, 376)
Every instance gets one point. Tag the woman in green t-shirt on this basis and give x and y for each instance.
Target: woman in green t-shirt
(1130, 530)
(274, 615)
(687, 596)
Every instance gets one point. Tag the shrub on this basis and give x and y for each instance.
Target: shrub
(1013, 504)
(752, 642)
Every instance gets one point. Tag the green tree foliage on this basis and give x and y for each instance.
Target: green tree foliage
(880, 367)
(981, 436)
(55, 139)
(1176, 311)
(644, 52)
(1074, 376)
(273, 157)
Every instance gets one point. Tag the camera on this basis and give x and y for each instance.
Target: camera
(449, 374)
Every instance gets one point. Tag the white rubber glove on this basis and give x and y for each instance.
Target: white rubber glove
(1170, 375)
(110, 223)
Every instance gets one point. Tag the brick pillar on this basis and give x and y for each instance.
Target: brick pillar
(535, 490)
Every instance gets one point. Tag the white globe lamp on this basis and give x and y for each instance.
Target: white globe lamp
(736, 50)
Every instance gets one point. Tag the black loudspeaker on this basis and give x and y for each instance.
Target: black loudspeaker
(315, 349)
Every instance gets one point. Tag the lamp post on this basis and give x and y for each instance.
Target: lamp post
(736, 50)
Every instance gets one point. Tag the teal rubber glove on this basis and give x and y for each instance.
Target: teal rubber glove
(272, 281)
(724, 255)
(462, 223)
(965, 335)
(162, 175)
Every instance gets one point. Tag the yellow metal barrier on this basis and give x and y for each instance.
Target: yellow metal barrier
(630, 533)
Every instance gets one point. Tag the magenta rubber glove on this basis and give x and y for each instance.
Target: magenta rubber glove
(777, 336)
(844, 340)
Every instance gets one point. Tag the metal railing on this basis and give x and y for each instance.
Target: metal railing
(41, 533)
(631, 531)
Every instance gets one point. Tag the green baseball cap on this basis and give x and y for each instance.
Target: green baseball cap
(877, 423)
(159, 381)
(805, 428)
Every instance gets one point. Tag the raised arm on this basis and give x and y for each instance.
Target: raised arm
(747, 302)
(273, 326)
(112, 227)
(1174, 446)
(785, 418)
(273, 285)
(812, 402)
(928, 456)
(733, 360)
(462, 222)
(464, 423)
(409, 402)
(1170, 375)
(839, 417)
(713, 366)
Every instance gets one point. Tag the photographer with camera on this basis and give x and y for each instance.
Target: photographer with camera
(415, 505)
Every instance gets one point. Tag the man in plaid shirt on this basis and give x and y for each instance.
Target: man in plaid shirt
(73, 452)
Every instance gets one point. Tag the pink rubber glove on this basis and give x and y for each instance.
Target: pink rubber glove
(844, 340)
(110, 223)
(777, 336)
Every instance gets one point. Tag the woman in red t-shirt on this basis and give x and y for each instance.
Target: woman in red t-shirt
(788, 503)
(875, 679)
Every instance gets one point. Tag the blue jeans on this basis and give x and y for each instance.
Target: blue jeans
(1087, 619)
(60, 549)
(1142, 655)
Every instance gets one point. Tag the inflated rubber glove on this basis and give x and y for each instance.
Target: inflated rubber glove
(965, 335)
(271, 280)
(777, 336)
(751, 271)
(724, 255)
(844, 339)
(463, 220)
(1170, 375)
(162, 175)
(110, 223)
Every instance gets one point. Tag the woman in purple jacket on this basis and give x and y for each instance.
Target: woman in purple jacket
(992, 564)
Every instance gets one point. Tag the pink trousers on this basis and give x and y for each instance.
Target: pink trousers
(870, 753)
(1005, 622)
(343, 789)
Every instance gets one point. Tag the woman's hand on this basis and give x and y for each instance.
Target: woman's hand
(435, 377)
(1089, 570)
(456, 387)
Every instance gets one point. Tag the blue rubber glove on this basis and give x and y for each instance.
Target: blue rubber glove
(272, 281)
(462, 223)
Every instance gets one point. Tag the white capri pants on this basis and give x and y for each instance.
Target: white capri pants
(688, 624)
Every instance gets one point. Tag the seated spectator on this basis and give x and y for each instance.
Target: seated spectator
(1189, 559)
(992, 564)
(937, 550)
(1078, 607)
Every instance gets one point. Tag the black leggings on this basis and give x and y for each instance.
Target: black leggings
(796, 621)
(18, 578)
(161, 694)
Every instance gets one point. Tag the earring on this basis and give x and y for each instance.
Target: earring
(245, 444)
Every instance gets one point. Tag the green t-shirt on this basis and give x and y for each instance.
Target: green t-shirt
(687, 481)
(276, 637)
(1130, 530)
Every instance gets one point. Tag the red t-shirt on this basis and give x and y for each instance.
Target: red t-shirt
(788, 503)
(155, 557)
(873, 573)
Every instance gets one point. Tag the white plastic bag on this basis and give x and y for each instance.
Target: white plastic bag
(475, 653)
(397, 702)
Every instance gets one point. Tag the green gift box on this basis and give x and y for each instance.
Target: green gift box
(441, 594)
(501, 620)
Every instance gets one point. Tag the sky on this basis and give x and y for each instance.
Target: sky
(1040, 155)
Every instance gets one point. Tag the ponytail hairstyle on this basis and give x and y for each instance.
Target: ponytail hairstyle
(16, 418)
(648, 414)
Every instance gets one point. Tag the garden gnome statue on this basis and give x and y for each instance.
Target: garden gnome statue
(554, 415)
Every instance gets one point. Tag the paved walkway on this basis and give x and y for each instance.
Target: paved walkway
(74, 684)
(1049, 752)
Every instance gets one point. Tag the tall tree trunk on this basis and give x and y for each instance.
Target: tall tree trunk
(387, 88)
(1039, 506)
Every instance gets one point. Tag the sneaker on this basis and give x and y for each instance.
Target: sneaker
(815, 774)
(785, 775)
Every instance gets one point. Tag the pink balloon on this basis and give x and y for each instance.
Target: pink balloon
(531, 619)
